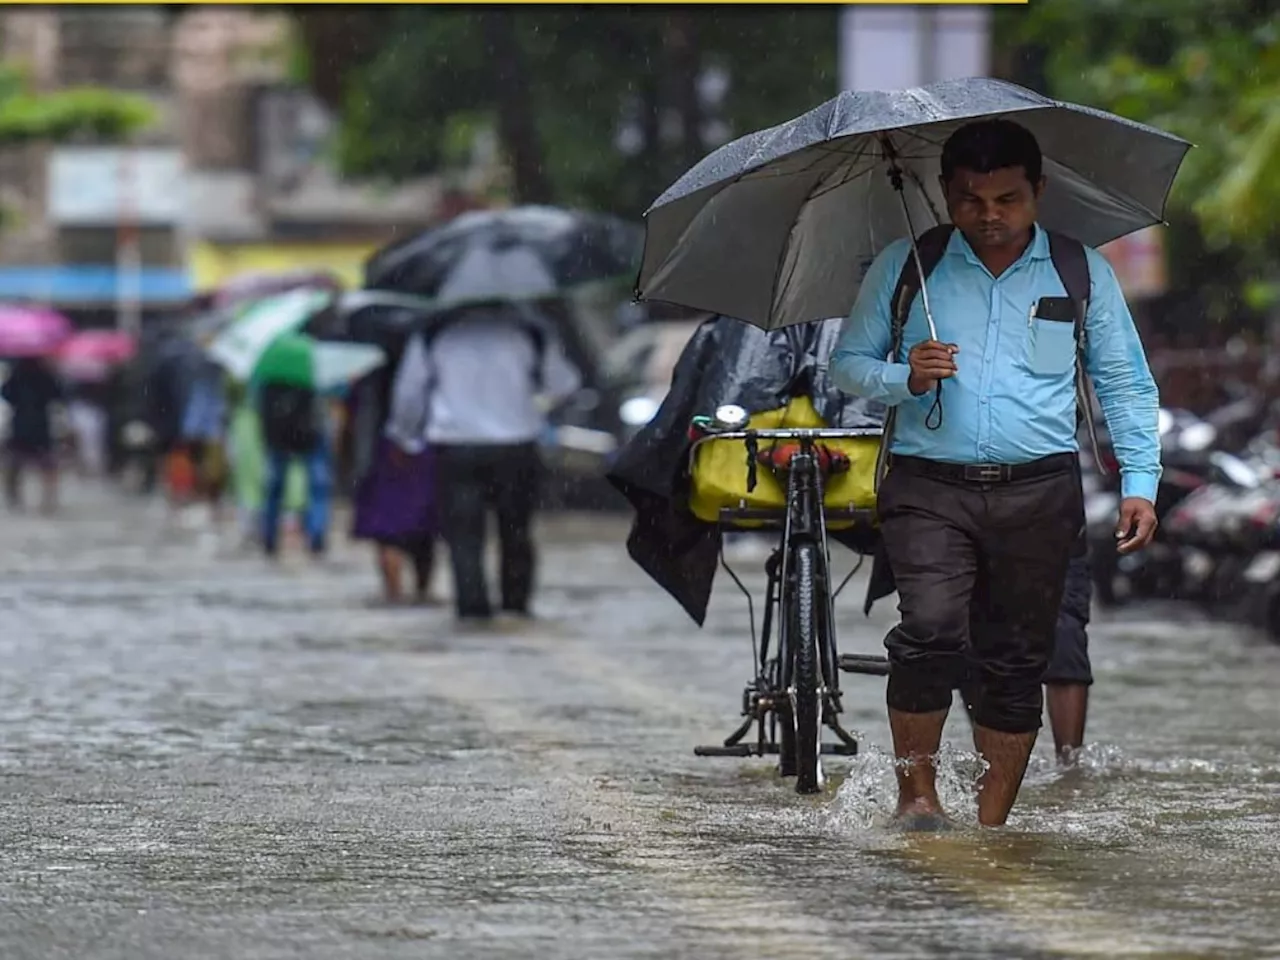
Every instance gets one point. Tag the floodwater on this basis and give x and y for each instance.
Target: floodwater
(204, 756)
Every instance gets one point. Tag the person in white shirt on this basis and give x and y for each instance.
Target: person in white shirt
(476, 388)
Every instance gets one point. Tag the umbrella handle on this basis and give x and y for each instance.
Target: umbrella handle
(895, 178)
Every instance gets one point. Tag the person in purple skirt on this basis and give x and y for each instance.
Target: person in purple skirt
(395, 495)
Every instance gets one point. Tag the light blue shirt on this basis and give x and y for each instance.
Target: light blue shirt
(1012, 398)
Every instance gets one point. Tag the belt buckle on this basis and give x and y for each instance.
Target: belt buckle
(985, 472)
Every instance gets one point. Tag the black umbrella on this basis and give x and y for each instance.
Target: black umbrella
(538, 251)
(381, 317)
(779, 226)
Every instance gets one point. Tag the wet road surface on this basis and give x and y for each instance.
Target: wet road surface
(205, 756)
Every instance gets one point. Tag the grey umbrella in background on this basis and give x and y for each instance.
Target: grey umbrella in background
(486, 273)
(573, 247)
(778, 227)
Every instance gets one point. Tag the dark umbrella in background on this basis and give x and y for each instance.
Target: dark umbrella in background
(382, 317)
(778, 227)
(538, 255)
(570, 247)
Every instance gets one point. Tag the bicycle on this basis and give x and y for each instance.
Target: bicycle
(796, 691)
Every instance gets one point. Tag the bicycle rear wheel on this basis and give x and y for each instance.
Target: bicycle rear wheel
(806, 675)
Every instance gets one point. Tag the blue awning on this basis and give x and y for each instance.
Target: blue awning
(70, 284)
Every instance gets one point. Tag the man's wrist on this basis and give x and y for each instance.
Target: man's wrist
(1141, 485)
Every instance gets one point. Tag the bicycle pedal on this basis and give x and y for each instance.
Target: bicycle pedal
(869, 664)
(840, 749)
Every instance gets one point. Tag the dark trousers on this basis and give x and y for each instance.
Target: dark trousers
(475, 479)
(980, 570)
(1070, 660)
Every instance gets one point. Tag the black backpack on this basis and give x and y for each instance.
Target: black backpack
(290, 423)
(1072, 264)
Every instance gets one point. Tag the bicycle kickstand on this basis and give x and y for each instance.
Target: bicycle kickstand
(848, 745)
(732, 746)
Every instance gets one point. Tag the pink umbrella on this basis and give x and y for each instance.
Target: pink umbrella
(91, 354)
(28, 331)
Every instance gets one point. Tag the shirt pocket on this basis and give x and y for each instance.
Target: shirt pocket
(1051, 347)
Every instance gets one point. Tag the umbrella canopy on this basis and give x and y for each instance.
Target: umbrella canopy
(302, 361)
(240, 346)
(29, 331)
(779, 226)
(382, 317)
(257, 284)
(91, 354)
(519, 253)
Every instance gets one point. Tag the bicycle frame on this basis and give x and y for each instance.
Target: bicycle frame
(803, 519)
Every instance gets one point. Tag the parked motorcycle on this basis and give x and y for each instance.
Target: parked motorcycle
(1216, 529)
(1188, 457)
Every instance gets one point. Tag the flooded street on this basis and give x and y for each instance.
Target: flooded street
(205, 756)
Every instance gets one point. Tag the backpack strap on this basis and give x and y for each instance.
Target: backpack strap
(1072, 263)
(932, 244)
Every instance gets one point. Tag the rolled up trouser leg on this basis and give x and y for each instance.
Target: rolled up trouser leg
(1027, 538)
(927, 525)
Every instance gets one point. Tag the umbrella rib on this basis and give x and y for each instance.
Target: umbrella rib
(828, 187)
(778, 282)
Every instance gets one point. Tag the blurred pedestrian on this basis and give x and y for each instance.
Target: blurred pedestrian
(295, 429)
(87, 416)
(395, 494)
(202, 435)
(31, 390)
(478, 395)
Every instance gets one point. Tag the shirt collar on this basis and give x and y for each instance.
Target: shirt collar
(1038, 249)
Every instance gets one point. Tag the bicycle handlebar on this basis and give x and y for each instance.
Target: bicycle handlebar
(792, 433)
(780, 433)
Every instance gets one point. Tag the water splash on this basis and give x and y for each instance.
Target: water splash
(869, 795)
(1107, 759)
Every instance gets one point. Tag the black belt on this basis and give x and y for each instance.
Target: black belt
(987, 472)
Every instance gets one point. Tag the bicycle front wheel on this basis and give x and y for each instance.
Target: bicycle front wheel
(805, 692)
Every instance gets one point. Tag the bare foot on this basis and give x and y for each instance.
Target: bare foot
(921, 816)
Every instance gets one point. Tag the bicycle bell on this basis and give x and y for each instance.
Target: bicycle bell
(730, 416)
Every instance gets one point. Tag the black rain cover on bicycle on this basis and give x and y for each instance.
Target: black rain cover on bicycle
(725, 361)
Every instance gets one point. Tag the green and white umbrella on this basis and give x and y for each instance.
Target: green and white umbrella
(240, 346)
(303, 361)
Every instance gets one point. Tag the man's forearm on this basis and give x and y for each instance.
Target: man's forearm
(1135, 437)
(870, 378)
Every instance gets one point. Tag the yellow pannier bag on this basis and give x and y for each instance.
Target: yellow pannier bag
(719, 475)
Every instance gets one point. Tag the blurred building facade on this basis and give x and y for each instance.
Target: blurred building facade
(232, 177)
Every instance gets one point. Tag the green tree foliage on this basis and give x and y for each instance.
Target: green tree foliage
(595, 107)
(88, 113)
(1209, 72)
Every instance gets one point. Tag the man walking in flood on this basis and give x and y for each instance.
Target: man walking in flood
(980, 511)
